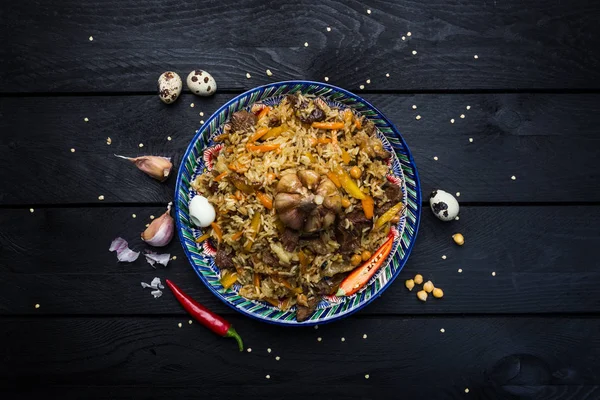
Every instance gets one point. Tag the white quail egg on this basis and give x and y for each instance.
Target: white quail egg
(169, 87)
(443, 205)
(201, 83)
(202, 213)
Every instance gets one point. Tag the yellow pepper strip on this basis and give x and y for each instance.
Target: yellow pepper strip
(346, 157)
(221, 176)
(228, 279)
(348, 115)
(265, 199)
(328, 125)
(259, 133)
(276, 131)
(286, 304)
(335, 179)
(255, 226)
(262, 148)
(368, 205)
(349, 185)
(310, 157)
(388, 215)
(221, 137)
(217, 230)
(237, 235)
(203, 238)
(263, 112)
(273, 302)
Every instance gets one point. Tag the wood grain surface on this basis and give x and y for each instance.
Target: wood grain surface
(519, 44)
(543, 258)
(549, 142)
(492, 357)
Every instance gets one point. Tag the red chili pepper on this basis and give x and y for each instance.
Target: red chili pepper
(207, 318)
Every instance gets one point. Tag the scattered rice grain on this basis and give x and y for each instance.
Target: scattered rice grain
(457, 194)
(414, 52)
(101, 197)
(86, 119)
(444, 257)
(460, 270)
(468, 107)
(268, 350)
(343, 339)
(269, 73)
(91, 38)
(387, 75)
(268, 376)
(368, 11)
(305, 44)
(462, 115)
(190, 322)
(133, 215)
(435, 158)
(249, 350)
(192, 105)
(108, 140)
(362, 87)
(494, 273)
(141, 145)
(248, 75)
(418, 117)
(277, 358)
(326, 79)
(514, 178)
(408, 34)
(169, 138)
(328, 29)
(364, 336)
(179, 325)
(37, 306)
(442, 330)
(319, 339)
(366, 376)
(470, 140)
(31, 210)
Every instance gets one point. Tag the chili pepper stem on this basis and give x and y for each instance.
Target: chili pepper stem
(232, 333)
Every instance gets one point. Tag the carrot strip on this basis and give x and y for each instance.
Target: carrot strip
(203, 238)
(237, 167)
(259, 133)
(328, 125)
(221, 176)
(255, 226)
(263, 112)
(217, 230)
(357, 123)
(273, 302)
(265, 199)
(368, 206)
(335, 179)
(361, 275)
(256, 280)
(263, 147)
(237, 235)
(315, 142)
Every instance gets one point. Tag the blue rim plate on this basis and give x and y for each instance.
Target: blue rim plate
(331, 308)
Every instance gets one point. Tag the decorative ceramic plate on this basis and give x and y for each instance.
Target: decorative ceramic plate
(198, 158)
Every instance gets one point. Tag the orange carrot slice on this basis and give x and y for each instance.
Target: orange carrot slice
(262, 148)
(328, 125)
(259, 133)
(361, 275)
(265, 199)
(368, 205)
(335, 179)
(217, 230)
(221, 176)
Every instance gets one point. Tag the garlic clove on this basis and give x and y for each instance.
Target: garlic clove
(160, 232)
(156, 167)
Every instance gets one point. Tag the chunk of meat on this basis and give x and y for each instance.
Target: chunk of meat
(330, 286)
(270, 259)
(289, 239)
(274, 121)
(347, 239)
(394, 195)
(242, 120)
(358, 219)
(316, 115)
(224, 257)
(392, 192)
(303, 313)
(317, 246)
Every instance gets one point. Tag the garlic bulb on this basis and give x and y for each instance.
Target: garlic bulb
(202, 213)
(157, 167)
(160, 232)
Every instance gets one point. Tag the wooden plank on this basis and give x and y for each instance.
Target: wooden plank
(543, 258)
(552, 154)
(519, 44)
(494, 358)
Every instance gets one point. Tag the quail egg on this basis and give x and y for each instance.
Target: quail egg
(202, 213)
(443, 205)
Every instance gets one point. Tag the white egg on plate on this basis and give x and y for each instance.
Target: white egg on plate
(444, 205)
(202, 213)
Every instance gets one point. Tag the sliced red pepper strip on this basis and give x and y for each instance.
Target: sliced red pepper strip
(212, 321)
(361, 275)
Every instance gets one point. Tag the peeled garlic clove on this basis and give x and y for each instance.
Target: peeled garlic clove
(160, 232)
(202, 213)
(157, 167)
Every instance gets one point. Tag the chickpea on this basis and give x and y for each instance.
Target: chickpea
(365, 255)
(438, 293)
(418, 279)
(355, 259)
(355, 172)
(410, 284)
(396, 219)
(422, 295)
(459, 239)
(428, 286)
(345, 202)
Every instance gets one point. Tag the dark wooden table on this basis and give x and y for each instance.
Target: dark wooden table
(522, 319)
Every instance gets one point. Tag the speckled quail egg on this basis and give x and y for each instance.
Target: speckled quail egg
(201, 83)
(169, 87)
(202, 213)
(443, 205)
